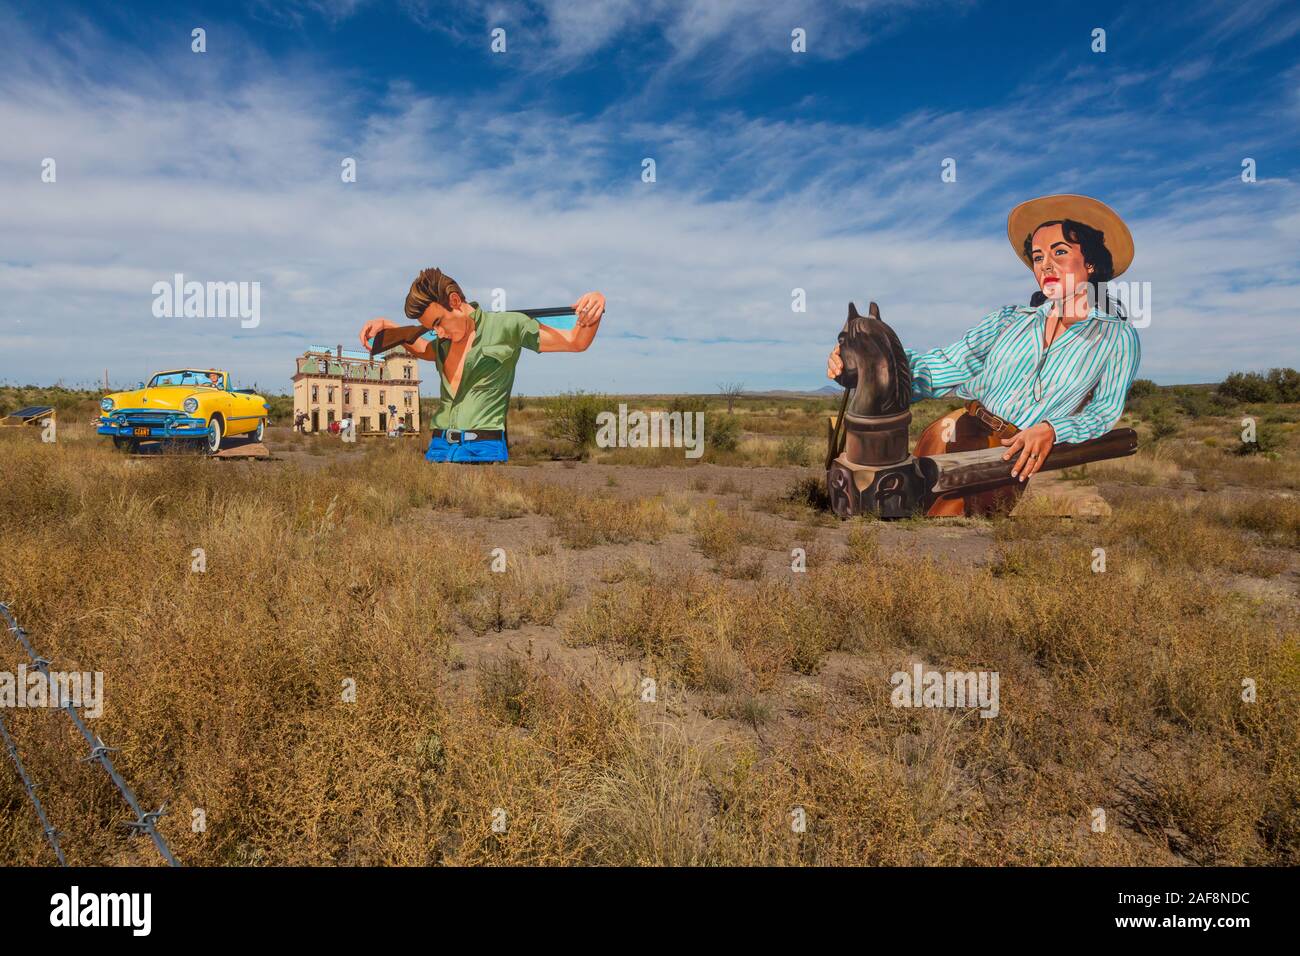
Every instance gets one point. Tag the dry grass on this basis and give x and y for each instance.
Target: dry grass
(1095, 670)
(724, 534)
(1149, 467)
(225, 690)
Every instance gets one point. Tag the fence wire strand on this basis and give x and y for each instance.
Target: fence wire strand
(144, 822)
(51, 834)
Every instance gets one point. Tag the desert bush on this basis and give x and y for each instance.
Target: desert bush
(864, 541)
(688, 404)
(810, 492)
(1142, 388)
(281, 408)
(1269, 439)
(1279, 385)
(571, 418)
(1194, 403)
(589, 520)
(722, 533)
(1285, 383)
(507, 601)
(722, 432)
(76, 400)
(1163, 424)
(794, 451)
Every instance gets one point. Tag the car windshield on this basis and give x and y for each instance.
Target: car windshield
(189, 377)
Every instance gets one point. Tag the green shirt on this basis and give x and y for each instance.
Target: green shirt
(483, 397)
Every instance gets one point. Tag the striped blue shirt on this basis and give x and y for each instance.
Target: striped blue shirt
(998, 363)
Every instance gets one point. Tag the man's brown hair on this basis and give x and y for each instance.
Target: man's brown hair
(431, 285)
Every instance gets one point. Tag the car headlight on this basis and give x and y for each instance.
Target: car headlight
(106, 404)
(190, 405)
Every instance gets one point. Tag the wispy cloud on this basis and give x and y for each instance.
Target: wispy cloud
(229, 170)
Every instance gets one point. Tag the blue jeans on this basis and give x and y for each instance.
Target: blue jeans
(477, 451)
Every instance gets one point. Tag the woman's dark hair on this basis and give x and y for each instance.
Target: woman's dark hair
(1092, 243)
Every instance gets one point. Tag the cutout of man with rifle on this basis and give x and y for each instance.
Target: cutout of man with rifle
(476, 353)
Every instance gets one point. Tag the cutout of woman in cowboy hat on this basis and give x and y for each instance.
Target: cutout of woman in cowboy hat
(1056, 370)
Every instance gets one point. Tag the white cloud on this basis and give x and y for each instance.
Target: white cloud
(234, 175)
(713, 41)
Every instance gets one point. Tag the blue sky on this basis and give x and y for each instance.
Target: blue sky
(521, 171)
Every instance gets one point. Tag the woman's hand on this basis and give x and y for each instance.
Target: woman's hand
(590, 308)
(834, 364)
(1033, 445)
(373, 328)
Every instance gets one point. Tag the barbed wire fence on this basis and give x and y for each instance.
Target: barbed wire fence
(51, 834)
(144, 822)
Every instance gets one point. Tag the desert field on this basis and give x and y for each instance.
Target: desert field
(595, 656)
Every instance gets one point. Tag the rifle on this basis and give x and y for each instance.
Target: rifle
(410, 334)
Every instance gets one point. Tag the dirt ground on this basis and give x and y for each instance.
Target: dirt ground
(964, 543)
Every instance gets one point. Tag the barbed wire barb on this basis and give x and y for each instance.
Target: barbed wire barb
(51, 834)
(144, 822)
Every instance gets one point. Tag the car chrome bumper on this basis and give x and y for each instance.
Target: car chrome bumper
(179, 426)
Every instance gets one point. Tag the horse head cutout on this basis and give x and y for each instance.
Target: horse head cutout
(875, 366)
(879, 379)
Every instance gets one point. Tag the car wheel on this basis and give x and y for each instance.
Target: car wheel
(261, 431)
(214, 436)
(128, 445)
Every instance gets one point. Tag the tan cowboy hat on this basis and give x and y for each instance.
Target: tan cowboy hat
(1029, 215)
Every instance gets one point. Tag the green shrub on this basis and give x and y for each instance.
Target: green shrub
(281, 407)
(1194, 403)
(1285, 383)
(571, 417)
(1163, 424)
(793, 451)
(1268, 441)
(810, 492)
(688, 403)
(722, 432)
(1142, 388)
(1248, 387)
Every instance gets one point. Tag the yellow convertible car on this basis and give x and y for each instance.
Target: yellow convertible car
(188, 403)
